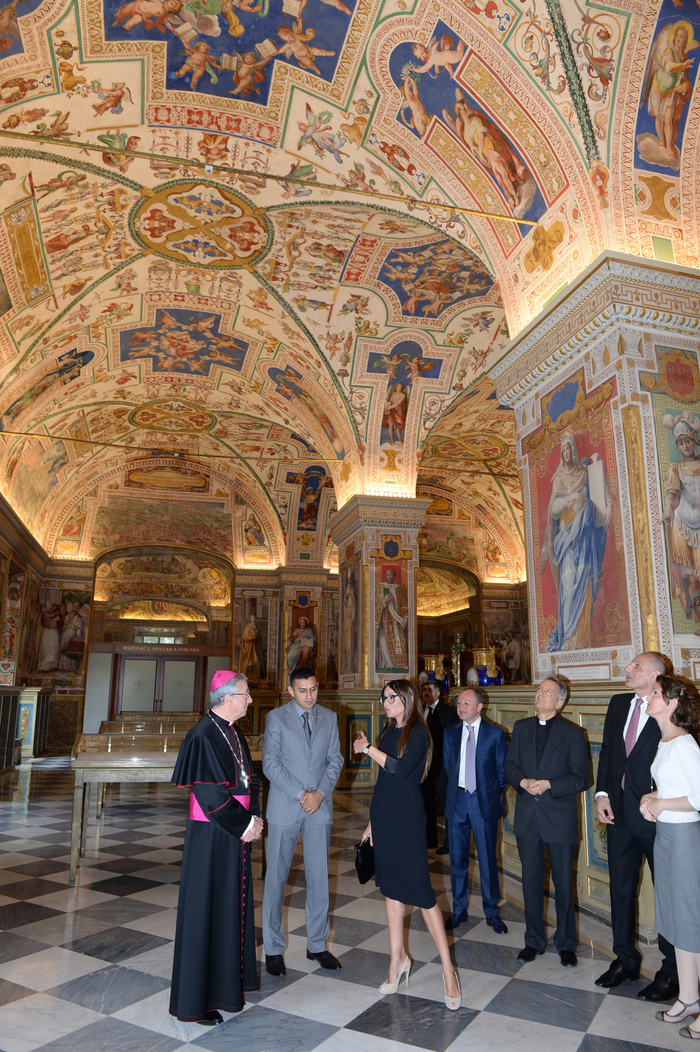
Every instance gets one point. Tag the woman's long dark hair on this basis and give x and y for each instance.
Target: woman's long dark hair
(415, 716)
(686, 714)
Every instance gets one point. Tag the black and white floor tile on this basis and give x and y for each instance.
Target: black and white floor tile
(87, 968)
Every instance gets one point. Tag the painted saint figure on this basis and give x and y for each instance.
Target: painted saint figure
(251, 659)
(682, 512)
(347, 640)
(395, 409)
(574, 546)
(301, 652)
(391, 609)
(50, 643)
(667, 88)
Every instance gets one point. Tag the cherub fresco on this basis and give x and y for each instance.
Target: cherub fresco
(9, 26)
(419, 117)
(199, 62)
(432, 277)
(316, 131)
(183, 341)
(249, 74)
(148, 13)
(439, 54)
(295, 44)
(667, 91)
(111, 98)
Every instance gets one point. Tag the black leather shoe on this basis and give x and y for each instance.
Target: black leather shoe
(662, 989)
(454, 921)
(325, 959)
(444, 850)
(211, 1019)
(274, 964)
(617, 973)
(528, 953)
(498, 926)
(568, 959)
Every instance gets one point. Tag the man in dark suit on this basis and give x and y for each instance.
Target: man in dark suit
(439, 715)
(630, 741)
(474, 752)
(548, 765)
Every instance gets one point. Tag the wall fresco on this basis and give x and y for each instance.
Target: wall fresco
(582, 599)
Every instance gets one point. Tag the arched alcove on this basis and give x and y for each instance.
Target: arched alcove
(164, 614)
(448, 602)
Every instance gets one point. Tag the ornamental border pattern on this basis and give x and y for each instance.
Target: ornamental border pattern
(616, 291)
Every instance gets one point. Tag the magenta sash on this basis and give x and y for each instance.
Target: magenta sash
(197, 815)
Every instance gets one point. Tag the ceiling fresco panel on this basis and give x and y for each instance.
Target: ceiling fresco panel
(242, 277)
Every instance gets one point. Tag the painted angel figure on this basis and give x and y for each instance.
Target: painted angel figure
(439, 54)
(667, 91)
(295, 44)
(111, 98)
(316, 131)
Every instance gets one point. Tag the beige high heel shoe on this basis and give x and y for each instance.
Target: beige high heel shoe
(453, 1003)
(666, 1017)
(391, 988)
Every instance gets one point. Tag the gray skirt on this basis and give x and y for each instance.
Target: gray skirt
(677, 883)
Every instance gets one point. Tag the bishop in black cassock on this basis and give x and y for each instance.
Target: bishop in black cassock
(215, 962)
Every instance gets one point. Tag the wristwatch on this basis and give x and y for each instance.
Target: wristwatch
(366, 751)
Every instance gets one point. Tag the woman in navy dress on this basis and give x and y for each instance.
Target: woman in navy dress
(397, 831)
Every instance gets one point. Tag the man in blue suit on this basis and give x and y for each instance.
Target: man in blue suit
(474, 753)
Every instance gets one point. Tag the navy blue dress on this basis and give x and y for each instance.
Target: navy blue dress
(397, 814)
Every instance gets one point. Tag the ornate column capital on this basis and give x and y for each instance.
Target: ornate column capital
(362, 511)
(615, 297)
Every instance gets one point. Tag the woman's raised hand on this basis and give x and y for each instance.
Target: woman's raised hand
(360, 743)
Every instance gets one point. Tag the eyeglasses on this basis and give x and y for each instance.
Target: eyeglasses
(242, 694)
(390, 697)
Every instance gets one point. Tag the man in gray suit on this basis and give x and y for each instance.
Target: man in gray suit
(302, 760)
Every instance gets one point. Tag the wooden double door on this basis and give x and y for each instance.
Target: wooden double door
(159, 683)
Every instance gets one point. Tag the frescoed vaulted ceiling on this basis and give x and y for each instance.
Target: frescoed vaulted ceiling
(256, 256)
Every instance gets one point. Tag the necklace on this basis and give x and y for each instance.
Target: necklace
(238, 760)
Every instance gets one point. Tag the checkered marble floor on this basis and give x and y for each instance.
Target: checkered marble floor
(88, 968)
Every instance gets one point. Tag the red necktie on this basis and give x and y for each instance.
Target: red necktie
(631, 735)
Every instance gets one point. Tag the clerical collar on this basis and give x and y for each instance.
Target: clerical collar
(218, 716)
(543, 723)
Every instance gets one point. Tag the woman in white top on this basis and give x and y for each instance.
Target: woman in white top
(674, 807)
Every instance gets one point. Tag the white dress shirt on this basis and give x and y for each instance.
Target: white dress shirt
(640, 726)
(463, 749)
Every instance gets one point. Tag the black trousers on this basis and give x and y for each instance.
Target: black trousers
(626, 853)
(561, 863)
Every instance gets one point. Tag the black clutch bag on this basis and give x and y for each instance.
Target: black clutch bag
(364, 860)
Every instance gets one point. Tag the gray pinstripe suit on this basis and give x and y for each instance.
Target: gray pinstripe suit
(293, 767)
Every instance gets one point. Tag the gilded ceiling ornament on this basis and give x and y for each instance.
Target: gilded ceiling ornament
(202, 223)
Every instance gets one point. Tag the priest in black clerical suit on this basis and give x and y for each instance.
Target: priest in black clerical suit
(548, 765)
(215, 962)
